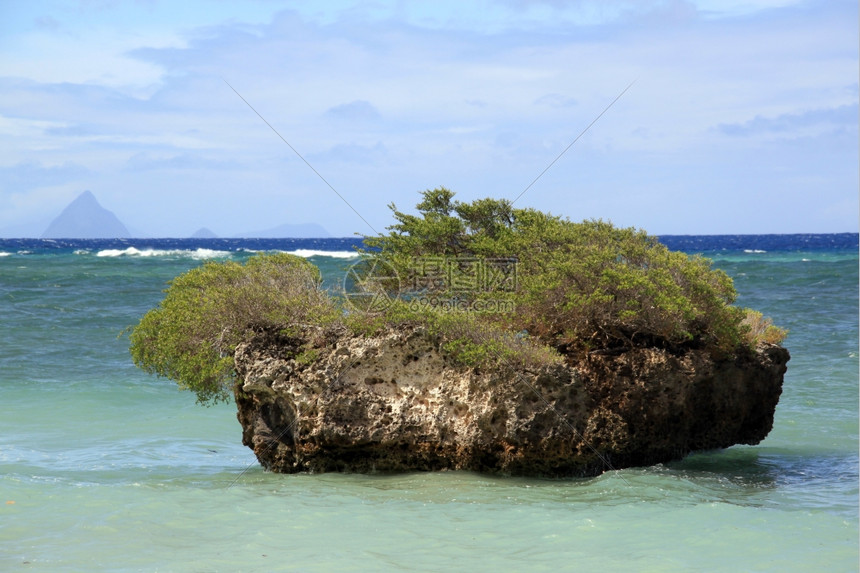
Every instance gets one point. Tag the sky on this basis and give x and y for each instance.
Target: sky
(739, 116)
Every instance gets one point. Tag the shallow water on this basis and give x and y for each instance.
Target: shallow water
(105, 468)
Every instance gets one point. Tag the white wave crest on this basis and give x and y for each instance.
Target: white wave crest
(314, 253)
(4, 254)
(754, 251)
(209, 254)
(134, 252)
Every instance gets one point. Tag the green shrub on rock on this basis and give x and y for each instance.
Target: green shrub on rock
(560, 289)
(760, 329)
(190, 337)
(580, 286)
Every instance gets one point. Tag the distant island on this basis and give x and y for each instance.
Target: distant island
(85, 218)
(204, 233)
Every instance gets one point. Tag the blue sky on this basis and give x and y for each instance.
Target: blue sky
(743, 117)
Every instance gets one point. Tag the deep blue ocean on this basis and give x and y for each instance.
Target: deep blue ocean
(105, 468)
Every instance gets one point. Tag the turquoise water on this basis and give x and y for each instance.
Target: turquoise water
(105, 468)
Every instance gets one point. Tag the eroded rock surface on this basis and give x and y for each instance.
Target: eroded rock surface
(396, 403)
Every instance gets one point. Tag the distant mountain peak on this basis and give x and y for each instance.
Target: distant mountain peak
(85, 218)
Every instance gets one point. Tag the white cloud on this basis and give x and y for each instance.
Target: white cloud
(390, 99)
(812, 122)
(358, 110)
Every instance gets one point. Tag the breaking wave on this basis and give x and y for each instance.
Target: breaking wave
(314, 253)
(134, 252)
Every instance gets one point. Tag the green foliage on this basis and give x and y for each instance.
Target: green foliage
(580, 285)
(760, 329)
(482, 344)
(445, 227)
(190, 337)
(592, 281)
(473, 339)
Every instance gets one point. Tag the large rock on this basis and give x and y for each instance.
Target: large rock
(397, 403)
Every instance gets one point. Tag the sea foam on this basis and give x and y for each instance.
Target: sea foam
(134, 252)
(314, 253)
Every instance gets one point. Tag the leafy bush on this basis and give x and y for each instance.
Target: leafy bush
(190, 337)
(580, 286)
(760, 329)
(473, 339)
(596, 285)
